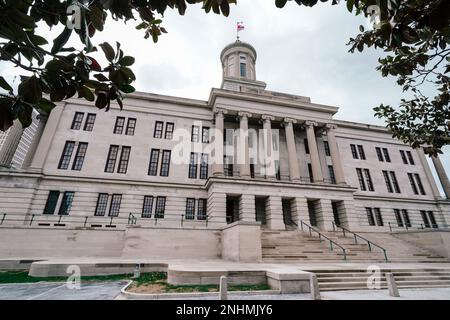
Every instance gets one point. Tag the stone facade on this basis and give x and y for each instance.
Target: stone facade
(325, 170)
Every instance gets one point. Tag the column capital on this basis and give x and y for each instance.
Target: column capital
(289, 121)
(331, 126)
(242, 114)
(220, 112)
(311, 123)
(267, 117)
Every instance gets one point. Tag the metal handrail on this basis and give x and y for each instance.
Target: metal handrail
(356, 236)
(421, 227)
(321, 235)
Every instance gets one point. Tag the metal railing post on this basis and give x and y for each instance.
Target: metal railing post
(3, 219)
(85, 221)
(390, 227)
(32, 218)
(385, 255)
(110, 222)
(370, 247)
(182, 216)
(356, 240)
(59, 220)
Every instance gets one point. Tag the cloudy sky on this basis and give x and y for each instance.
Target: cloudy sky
(300, 50)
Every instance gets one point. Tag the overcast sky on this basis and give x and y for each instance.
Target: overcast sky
(300, 51)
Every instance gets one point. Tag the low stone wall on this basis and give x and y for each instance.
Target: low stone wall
(241, 241)
(143, 243)
(434, 240)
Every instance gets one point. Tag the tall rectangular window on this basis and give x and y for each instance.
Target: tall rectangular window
(410, 157)
(114, 209)
(398, 217)
(368, 180)
(406, 220)
(354, 151)
(165, 163)
(66, 155)
(52, 201)
(419, 184)
(378, 217)
(195, 132)
(403, 155)
(228, 166)
(201, 211)
(362, 154)
(160, 207)
(79, 156)
(66, 203)
(102, 203)
(332, 175)
(326, 146)
(90, 121)
(118, 127)
(124, 159)
(426, 222)
(154, 160)
(413, 183)
(387, 157)
(205, 134)
(379, 154)
(387, 180)
(147, 207)
(193, 166)
(158, 130)
(131, 127)
(243, 69)
(111, 160)
(77, 121)
(362, 184)
(395, 181)
(432, 219)
(310, 172)
(370, 217)
(306, 143)
(169, 131)
(190, 209)
(204, 166)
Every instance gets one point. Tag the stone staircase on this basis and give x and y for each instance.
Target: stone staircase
(295, 245)
(353, 279)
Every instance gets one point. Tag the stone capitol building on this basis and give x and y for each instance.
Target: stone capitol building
(111, 184)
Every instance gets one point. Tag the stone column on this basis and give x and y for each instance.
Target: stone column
(335, 156)
(299, 211)
(324, 214)
(442, 175)
(269, 160)
(294, 171)
(217, 208)
(44, 144)
(274, 213)
(243, 152)
(42, 120)
(247, 210)
(313, 151)
(10, 145)
(217, 166)
(428, 173)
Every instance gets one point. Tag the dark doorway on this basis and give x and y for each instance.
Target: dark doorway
(260, 206)
(337, 218)
(232, 209)
(287, 214)
(312, 212)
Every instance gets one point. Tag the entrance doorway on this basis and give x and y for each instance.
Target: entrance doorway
(232, 209)
(260, 206)
(287, 213)
(336, 216)
(312, 212)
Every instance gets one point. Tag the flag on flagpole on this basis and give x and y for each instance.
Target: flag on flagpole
(240, 26)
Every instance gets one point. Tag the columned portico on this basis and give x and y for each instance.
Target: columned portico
(335, 157)
(294, 171)
(442, 175)
(268, 147)
(314, 152)
(217, 166)
(10, 145)
(243, 154)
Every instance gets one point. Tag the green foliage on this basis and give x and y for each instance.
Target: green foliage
(61, 72)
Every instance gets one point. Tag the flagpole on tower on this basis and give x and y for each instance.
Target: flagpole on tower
(239, 27)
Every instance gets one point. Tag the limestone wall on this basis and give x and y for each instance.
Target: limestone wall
(437, 241)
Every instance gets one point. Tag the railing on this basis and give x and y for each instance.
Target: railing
(321, 235)
(370, 244)
(101, 221)
(408, 226)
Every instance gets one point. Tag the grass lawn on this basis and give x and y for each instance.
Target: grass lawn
(152, 282)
